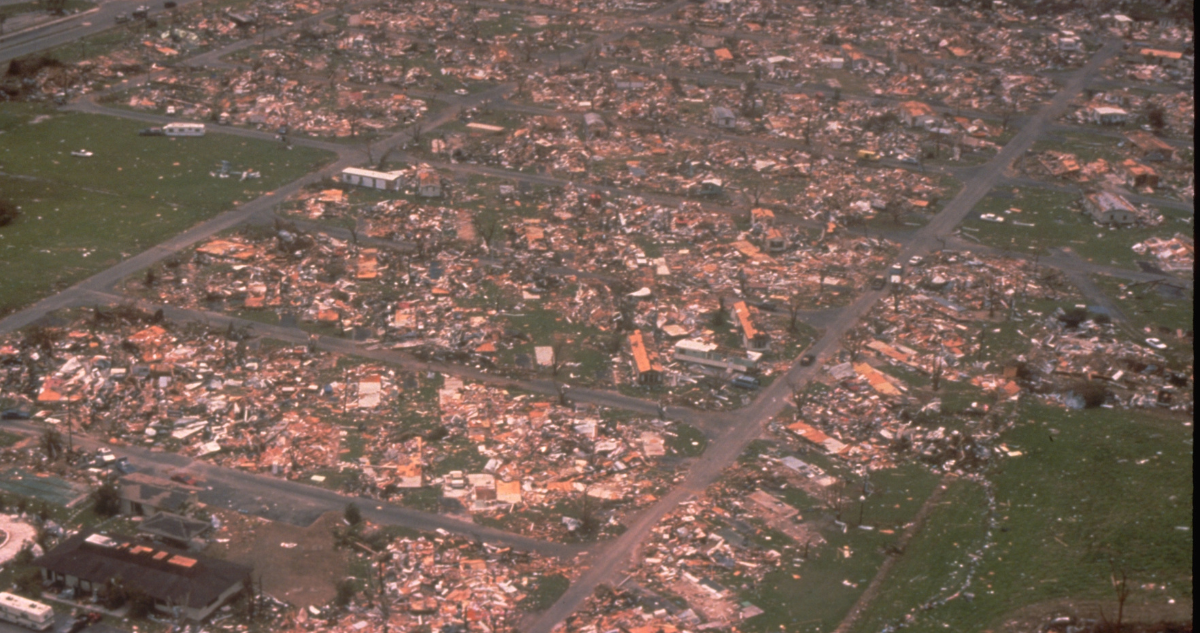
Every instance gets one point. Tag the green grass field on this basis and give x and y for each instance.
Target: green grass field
(81, 215)
(1146, 307)
(1092, 490)
(1058, 222)
(815, 594)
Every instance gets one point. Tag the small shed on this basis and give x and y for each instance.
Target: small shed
(594, 126)
(429, 185)
(1107, 115)
(723, 117)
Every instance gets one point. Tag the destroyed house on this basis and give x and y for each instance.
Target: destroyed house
(917, 114)
(753, 339)
(593, 125)
(144, 495)
(174, 579)
(1139, 175)
(173, 529)
(700, 353)
(774, 240)
(1107, 207)
(1107, 115)
(723, 117)
(429, 185)
(1158, 57)
(646, 368)
(765, 217)
(709, 187)
(858, 60)
(387, 180)
(1151, 147)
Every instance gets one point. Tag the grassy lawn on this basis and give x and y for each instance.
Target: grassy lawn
(9, 439)
(546, 590)
(1058, 223)
(1147, 307)
(82, 215)
(1111, 487)
(815, 594)
(1056, 220)
(1087, 146)
(687, 441)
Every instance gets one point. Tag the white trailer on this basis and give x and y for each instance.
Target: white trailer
(27, 613)
(184, 129)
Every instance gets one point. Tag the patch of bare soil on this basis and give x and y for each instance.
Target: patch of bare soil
(294, 564)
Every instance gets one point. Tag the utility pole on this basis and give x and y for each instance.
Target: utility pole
(345, 389)
(70, 435)
(385, 609)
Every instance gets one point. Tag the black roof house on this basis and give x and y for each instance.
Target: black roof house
(171, 576)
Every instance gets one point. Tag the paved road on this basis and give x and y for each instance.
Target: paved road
(74, 28)
(746, 424)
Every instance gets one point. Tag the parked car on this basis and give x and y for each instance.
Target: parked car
(122, 18)
(908, 160)
(141, 13)
(742, 381)
(807, 359)
(151, 131)
(916, 260)
(878, 282)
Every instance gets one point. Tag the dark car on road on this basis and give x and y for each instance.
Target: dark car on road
(807, 359)
(878, 282)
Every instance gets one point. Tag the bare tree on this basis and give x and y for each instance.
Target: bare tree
(794, 307)
(852, 342)
(755, 193)
(558, 355)
(585, 60)
(487, 228)
(1122, 588)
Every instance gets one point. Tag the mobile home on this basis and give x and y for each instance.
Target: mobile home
(184, 129)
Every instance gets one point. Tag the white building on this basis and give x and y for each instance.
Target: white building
(387, 180)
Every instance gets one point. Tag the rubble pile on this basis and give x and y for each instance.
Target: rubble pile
(537, 454)
(292, 412)
(1177, 254)
(264, 99)
(440, 582)
(697, 558)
